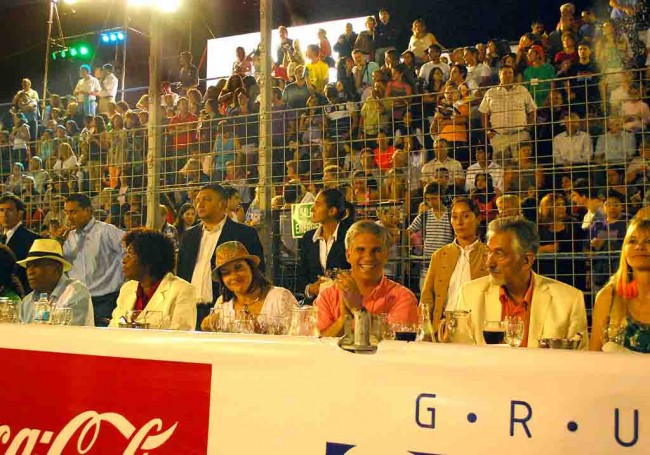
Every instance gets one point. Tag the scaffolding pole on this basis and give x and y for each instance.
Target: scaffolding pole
(47, 52)
(154, 129)
(266, 154)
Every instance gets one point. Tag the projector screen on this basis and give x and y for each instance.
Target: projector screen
(221, 51)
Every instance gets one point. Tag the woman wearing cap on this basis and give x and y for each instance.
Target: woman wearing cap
(244, 289)
(10, 285)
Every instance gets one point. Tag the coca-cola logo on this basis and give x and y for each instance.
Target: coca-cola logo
(57, 403)
(148, 437)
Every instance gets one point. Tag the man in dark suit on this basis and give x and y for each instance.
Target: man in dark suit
(196, 255)
(14, 234)
(323, 248)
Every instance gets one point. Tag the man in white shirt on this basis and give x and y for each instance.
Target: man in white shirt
(441, 149)
(196, 254)
(508, 114)
(434, 62)
(478, 72)
(27, 90)
(46, 270)
(108, 92)
(86, 91)
(572, 146)
(482, 156)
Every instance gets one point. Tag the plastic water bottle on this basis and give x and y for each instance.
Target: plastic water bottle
(42, 310)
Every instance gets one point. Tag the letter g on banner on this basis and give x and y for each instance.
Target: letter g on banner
(430, 421)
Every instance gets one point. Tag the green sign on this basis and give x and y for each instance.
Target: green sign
(301, 219)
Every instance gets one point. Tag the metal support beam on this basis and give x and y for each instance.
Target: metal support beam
(154, 130)
(265, 154)
(47, 52)
(126, 27)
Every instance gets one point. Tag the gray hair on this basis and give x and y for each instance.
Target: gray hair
(526, 236)
(368, 227)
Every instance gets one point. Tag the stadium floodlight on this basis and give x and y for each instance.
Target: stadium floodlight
(165, 6)
(79, 50)
(168, 6)
(112, 36)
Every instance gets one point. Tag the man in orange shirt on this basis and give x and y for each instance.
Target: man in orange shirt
(182, 128)
(365, 286)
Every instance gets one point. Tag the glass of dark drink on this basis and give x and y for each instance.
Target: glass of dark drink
(494, 332)
(405, 332)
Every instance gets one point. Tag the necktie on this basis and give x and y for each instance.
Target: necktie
(3, 238)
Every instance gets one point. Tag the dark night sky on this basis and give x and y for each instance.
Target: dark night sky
(454, 22)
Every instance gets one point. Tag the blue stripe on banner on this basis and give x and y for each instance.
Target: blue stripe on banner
(334, 448)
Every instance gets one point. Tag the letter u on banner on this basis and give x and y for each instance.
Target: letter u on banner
(617, 428)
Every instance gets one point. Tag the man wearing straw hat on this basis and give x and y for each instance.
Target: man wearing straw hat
(45, 271)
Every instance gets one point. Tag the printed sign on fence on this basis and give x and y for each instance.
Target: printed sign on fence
(301, 219)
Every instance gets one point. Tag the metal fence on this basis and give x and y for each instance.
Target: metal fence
(582, 153)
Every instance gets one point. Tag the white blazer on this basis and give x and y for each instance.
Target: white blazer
(558, 310)
(175, 297)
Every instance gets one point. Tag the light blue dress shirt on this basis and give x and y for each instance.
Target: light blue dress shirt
(96, 253)
(67, 294)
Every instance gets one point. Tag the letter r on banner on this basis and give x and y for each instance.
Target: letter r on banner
(521, 420)
(430, 420)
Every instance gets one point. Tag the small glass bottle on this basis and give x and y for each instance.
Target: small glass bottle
(425, 328)
(42, 310)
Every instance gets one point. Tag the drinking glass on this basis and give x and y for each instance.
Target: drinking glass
(243, 325)
(154, 319)
(405, 331)
(304, 321)
(134, 319)
(494, 332)
(9, 310)
(514, 331)
(271, 325)
(61, 316)
(613, 333)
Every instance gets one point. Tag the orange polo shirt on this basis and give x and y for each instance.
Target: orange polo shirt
(509, 307)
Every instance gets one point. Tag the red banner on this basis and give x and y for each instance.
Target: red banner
(67, 403)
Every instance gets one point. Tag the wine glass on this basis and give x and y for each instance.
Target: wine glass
(514, 331)
(612, 333)
(154, 320)
(405, 331)
(494, 332)
(61, 316)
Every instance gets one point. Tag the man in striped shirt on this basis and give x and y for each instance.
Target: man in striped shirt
(432, 225)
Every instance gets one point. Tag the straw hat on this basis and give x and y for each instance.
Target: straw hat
(231, 251)
(46, 249)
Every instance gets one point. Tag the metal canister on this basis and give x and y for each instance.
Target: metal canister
(362, 328)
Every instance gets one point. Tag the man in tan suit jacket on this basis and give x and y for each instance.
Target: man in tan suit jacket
(549, 308)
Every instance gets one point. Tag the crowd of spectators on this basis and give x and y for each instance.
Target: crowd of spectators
(553, 128)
